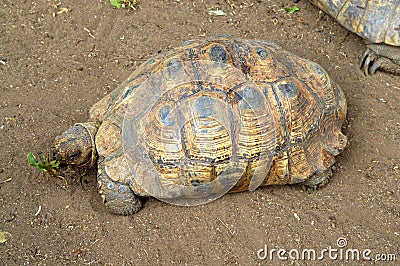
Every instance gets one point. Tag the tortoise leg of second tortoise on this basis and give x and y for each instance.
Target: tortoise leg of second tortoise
(118, 198)
(382, 56)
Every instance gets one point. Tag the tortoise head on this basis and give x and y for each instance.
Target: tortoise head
(76, 146)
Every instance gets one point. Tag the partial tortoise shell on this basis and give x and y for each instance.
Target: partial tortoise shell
(377, 21)
(291, 131)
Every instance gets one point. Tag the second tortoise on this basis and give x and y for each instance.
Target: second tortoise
(377, 22)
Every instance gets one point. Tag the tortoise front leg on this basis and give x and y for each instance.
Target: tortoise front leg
(382, 56)
(118, 198)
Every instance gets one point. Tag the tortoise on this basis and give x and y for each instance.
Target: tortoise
(376, 21)
(212, 116)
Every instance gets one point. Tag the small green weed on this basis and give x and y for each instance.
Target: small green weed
(42, 164)
(123, 3)
(291, 9)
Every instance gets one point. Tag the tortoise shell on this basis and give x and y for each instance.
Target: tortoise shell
(233, 113)
(376, 21)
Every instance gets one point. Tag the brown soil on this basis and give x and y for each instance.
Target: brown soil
(54, 67)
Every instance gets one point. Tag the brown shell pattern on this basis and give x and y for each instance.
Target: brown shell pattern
(291, 131)
(377, 21)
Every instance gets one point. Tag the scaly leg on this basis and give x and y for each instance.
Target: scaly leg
(318, 180)
(381, 56)
(118, 198)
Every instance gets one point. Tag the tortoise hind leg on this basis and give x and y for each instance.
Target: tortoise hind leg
(118, 198)
(383, 56)
(317, 180)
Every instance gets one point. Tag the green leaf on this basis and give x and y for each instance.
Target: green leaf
(54, 163)
(4, 236)
(43, 164)
(116, 3)
(41, 157)
(292, 9)
(217, 12)
(32, 160)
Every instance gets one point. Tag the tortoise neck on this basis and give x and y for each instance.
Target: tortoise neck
(91, 128)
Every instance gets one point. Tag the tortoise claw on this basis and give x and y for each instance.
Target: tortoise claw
(366, 59)
(377, 64)
(363, 59)
(370, 62)
(380, 56)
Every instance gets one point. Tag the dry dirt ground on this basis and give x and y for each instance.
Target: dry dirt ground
(55, 66)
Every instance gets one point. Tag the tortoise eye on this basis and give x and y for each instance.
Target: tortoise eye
(75, 155)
